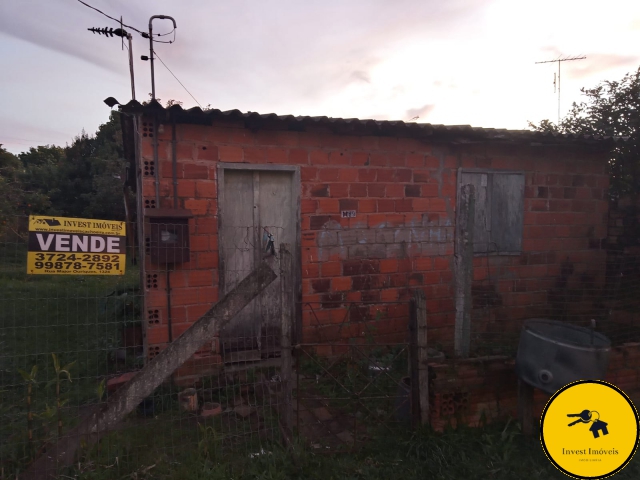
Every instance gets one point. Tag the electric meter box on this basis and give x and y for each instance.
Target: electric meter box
(168, 235)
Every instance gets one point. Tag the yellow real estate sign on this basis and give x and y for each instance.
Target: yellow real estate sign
(75, 246)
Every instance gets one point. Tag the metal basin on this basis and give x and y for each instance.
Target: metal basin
(552, 354)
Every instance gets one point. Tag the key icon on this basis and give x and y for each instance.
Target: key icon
(584, 417)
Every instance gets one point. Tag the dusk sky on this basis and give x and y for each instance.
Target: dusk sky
(454, 62)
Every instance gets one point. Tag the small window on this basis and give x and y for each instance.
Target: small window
(499, 211)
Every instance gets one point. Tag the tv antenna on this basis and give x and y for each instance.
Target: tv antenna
(559, 60)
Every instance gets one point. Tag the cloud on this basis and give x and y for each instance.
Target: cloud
(420, 112)
(599, 63)
(361, 76)
(57, 28)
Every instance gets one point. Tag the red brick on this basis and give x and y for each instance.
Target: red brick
(208, 294)
(348, 175)
(319, 190)
(339, 158)
(403, 175)
(191, 170)
(431, 190)
(437, 205)
(197, 207)
(421, 204)
(339, 190)
(207, 152)
(199, 243)
(331, 269)
(157, 335)
(404, 205)
(321, 285)
(327, 205)
(341, 284)
(184, 296)
(308, 174)
(378, 159)
(367, 175)
(198, 278)
(367, 206)
(386, 205)
(423, 263)
(186, 188)
(298, 156)
(311, 270)
(184, 151)
(206, 189)
(358, 190)
(318, 157)
(376, 190)
(414, 160)
(389, 265)
(255, 155)
(359, 159)
(328, 174)
(308, 206)
(277, 155)
(394, 190)
(195, 312)
(207, 260)
(441, 263)
(228, 153)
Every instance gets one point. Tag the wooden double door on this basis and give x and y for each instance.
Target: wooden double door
(258, 212)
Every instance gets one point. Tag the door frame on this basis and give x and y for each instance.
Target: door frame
(296, 254)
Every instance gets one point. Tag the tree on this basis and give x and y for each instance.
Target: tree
(612, 108)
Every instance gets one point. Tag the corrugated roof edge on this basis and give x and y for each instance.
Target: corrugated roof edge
(355, 126)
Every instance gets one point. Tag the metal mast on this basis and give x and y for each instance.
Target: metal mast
(559, 60)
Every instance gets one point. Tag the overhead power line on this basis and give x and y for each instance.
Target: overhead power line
(174, 76)
(109, 16)
(144, 34)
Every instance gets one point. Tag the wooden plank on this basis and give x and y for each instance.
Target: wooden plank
(507, 212)
(463, 269)
(129, 396)
(237, 239)
(423, 356)
(525, 407)
(277, 218)
(482, 215)
(286, 300)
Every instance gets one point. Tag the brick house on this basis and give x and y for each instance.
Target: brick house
(369, 209)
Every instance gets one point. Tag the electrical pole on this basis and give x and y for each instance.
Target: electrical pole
(162, 17)
(560, 60)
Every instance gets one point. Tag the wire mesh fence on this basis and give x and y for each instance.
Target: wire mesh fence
(352, 377)
(70, 344)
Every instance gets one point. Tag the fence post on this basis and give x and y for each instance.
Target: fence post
(286, 300)
(414, 367)
(463, 270)
(525, 407)
(423, 355)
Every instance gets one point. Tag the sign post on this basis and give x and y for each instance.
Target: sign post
(75, 246)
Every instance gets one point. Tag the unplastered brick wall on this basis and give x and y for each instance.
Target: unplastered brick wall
(360, 271)
(485, 389)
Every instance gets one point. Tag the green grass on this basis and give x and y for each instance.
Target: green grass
(69, 316)
(496, 452)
